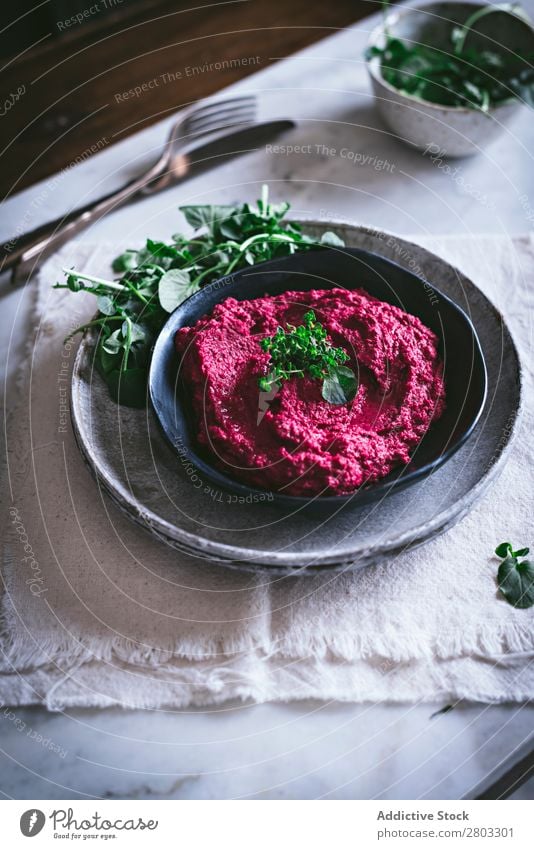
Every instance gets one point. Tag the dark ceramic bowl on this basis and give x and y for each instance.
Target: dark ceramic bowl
(350, 268)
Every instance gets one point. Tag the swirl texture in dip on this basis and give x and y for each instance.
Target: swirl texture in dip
(296, 442)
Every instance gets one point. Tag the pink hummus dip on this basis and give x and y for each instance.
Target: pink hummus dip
(296, 442)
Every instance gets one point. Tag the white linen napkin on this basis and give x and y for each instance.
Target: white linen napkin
(95, 612)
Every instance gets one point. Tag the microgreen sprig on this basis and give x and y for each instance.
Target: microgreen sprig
(515, 576)
(306, 350)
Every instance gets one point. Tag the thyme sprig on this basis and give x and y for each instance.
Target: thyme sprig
(306, 350)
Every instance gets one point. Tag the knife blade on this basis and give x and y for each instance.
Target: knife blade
(204, 156)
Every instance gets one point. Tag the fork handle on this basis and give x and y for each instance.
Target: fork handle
(25, 252)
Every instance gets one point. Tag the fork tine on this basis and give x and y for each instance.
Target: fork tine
(222, 119)
(215, 111)
(209, 117)
(204, 114)
(208, 105)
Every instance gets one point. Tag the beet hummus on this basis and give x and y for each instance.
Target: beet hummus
(292, 440)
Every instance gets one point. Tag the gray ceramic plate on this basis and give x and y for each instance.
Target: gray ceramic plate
(168, 497)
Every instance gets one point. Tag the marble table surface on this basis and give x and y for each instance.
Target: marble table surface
(348, 167)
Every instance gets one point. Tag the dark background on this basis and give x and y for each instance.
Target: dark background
(66, 76)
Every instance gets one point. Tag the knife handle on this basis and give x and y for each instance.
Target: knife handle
(25, 253)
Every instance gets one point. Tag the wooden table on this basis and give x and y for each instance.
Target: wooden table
(72, 95)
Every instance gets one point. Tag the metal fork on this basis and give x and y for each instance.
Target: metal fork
(206, 120)
(210, 118)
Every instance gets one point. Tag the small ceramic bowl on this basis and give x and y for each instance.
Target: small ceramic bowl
(446, 131)
(349, 268)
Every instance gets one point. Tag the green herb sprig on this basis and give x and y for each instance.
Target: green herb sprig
(515, 576)
(157, 278)
(306, 349)
(462, 76)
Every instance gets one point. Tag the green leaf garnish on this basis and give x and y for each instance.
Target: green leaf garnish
(105, 305)
(306, 350)
(173, 288)
(209, 216)
(114, 342)
(515, 577)
(158, 277)
(504, 549)
(516, 582)
(128, 387)
(125, 262)
(340, 386)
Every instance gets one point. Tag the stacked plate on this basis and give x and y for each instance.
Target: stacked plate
(168, 495)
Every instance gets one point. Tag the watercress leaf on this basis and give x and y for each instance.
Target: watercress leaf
(332, 240)
(503, 549)
(371, 52)
(278, 210)
(114, 342)
(241, 219)
(206, 216)
(125, 262)
(231, 228)
(131, 307)
(129, 387)
(107, 362)
(208, 256)
(516, 582)
(173, 288)
(200, 246)
(105, 305)
(340, 386)
(150, 263)
(155, 247)
(161, 249)
(521, 552)
(137, 331)
(218, 258)
(146, 291)
(139, 356)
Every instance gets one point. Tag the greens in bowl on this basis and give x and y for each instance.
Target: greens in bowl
(449, 77)
(461, 64)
